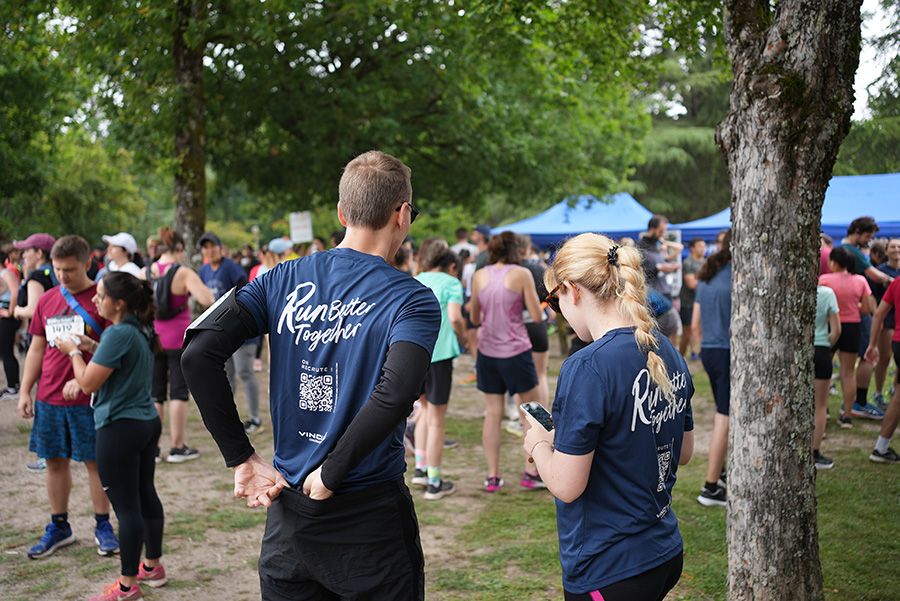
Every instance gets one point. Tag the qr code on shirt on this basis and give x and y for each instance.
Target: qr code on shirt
(316, 392)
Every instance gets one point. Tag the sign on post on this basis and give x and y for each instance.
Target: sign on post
(301, 227)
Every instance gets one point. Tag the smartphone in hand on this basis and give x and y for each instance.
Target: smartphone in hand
(540, 414)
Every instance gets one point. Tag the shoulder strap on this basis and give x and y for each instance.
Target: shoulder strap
(76, 306)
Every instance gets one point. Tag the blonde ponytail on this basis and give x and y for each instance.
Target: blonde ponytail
(586, 260)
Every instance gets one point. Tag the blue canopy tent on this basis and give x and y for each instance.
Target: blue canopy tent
(617, 215)
(847, 197)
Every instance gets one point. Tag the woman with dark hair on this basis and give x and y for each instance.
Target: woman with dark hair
(500, 293)
(127, 424)
(854, 299)
(9, 292)
(711, 323)
(171, 323)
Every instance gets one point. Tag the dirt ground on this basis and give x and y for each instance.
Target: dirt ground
(212, 541)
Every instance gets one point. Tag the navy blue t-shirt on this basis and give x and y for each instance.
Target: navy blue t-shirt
(714, 298)
(331, 318)
(623, 524)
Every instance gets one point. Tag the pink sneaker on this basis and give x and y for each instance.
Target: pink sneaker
(532, 481)
(115, 593)
(154, 578)
(493, 483)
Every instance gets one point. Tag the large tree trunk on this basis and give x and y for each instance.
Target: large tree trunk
(790, 109)
(190, 127)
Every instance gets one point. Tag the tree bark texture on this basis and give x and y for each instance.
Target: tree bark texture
(190, 126)
(791, 103)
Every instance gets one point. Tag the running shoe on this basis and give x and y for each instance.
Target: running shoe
(513, 427)
(822, 462)
(10, 392)
(107, 543)
(114, 592)
(420, 477)
(55, 537)
(845, 422)
(723, 480)
(468, 380)
(493, 483)
(185, 453)
(153, 578)
(157, 459)
(449, 443)
(36, 466)
(878, 401)
(889, 456)
(695, 357)
(712, 498)
(867, 411)
(252, 426)
(444, 489)
(833, 391)
(531, 481)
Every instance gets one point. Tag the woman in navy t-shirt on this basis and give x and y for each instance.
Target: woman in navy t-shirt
(622, 425)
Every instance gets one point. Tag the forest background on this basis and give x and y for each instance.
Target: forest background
(501, 109)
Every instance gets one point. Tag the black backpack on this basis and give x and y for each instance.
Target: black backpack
(162, 293)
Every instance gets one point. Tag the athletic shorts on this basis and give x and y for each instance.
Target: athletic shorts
(167, 377)
(686, 312)
(652, 584)
(849, 339)
(513, 375)
(669, 323)
(438, 382)
(537, 334)
(63, 431)
(822, 365)
(358, 545)
(717, 363)
(865, 329)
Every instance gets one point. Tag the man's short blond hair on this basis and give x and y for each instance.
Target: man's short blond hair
(373, 185)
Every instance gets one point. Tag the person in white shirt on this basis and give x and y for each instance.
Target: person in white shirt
(462, 243)
(120, 248)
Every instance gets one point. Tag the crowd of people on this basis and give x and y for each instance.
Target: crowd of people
(362, 341)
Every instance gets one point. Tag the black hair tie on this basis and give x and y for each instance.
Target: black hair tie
(613, 256)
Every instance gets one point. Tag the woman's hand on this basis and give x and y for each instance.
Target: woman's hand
(65, 345)
(87, 344)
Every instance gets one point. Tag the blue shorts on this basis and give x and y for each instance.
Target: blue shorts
(717, 363)
(498, 376)
(63, 432)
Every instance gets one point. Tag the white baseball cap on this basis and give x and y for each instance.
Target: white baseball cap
(123, 239)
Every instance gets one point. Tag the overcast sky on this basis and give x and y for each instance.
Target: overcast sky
(870, 63)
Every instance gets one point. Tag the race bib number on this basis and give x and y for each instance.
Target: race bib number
(59, 327)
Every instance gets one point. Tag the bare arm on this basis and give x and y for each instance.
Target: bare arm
(457, 321)
(687, 448)
(690, 281)
(34, 290)
(90, 376)
(197, 288)
(867, 307)
(532, 302)
(566, 476)
(474, 305)
(834, 327)
(33, 361)
(12, 284)
(695, 322)
(876, 275)
(881, 312)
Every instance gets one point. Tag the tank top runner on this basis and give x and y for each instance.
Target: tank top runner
(171, 331)
(502, 333)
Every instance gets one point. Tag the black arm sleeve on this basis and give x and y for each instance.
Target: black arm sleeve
(392, 400)
(203, 364)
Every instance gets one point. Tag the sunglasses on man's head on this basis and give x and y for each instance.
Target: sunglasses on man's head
(552, 299)
(413, 211)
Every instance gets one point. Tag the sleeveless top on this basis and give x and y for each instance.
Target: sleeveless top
(171, 331)
(5, 292)
(502, 333)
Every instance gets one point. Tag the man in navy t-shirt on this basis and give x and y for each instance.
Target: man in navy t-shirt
(350, 339)
(221, 274)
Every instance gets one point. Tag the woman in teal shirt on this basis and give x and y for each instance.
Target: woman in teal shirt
(128, 426)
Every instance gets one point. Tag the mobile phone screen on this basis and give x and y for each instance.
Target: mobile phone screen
(540, 414)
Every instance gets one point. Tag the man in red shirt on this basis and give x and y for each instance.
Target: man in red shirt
(63, 419)
(883, 453)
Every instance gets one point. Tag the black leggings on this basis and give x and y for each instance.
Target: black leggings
(126, 460)
(651, 585)
(8, 329)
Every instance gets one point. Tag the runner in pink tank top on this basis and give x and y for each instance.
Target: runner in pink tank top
(171, 331)
(500, 292)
